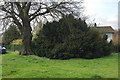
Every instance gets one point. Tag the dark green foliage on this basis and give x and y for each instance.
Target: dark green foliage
(11, 47)
(11, 34)
(119, 48)
(70, 38)
(116, 48)
(105, 37)
(94, 46)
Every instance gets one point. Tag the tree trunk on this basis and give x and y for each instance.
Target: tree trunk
(26, 38)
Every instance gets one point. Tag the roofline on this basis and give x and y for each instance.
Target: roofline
(105, 26)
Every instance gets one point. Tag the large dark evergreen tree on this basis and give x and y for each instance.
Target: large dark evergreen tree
(56, 38)
(70, 37)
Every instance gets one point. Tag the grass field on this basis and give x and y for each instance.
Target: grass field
(16, 66)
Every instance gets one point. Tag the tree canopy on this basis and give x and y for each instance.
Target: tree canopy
(26, 14)
(10, 34)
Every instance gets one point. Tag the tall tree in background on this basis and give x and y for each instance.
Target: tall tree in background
(23, 14)
(10, 34)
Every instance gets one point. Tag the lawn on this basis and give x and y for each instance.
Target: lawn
(16, 66)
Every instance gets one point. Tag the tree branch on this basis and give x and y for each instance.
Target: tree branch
(36, 11)
(35, 15)
(28, 7)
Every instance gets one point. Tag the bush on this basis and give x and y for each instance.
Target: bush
(70, 38)
(11, 34)
(42, 47)
(89, 45)
(116, 48)
(13, 47)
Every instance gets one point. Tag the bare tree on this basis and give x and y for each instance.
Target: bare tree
(24, 13)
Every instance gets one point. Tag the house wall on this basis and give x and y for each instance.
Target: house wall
(115, 38)
(110, 36)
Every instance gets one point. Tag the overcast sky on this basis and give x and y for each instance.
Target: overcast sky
(103, 12)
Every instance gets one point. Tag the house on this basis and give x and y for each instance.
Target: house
(116, 37)
(108, 30)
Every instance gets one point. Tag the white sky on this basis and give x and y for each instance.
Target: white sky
(103, 12)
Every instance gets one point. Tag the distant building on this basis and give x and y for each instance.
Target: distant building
(116, 37)
(108, 30)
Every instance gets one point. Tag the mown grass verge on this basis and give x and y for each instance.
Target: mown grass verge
(16, 66)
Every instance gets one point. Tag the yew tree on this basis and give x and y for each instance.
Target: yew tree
(25, 14)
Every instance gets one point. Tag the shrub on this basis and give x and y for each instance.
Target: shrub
(94, 46)
(11, 34)
(116, 48)
(12, 47)
(88, 45)
(42, 47)
(70, 38)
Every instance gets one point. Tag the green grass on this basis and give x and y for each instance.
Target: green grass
(16, 66)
